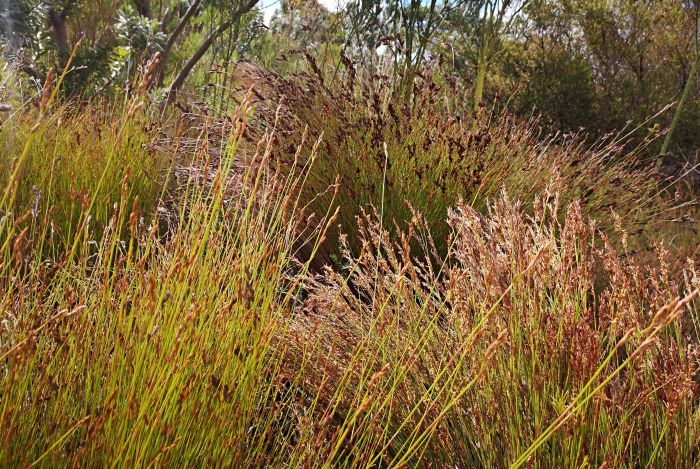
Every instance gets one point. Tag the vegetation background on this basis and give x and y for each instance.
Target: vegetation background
(396, 233)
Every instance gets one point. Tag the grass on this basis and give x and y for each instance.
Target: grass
(190, 325)
(78, 155)
(380, 150)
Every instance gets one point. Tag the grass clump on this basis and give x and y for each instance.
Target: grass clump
(208, 337)
(468, 365)
(78, 157)
(145, 350)
(383, 150)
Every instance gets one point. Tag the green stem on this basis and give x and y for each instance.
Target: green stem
(679, 110)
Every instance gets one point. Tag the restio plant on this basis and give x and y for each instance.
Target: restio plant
(193, 328)
(376, 148)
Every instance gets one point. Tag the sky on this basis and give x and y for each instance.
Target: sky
(269, 6)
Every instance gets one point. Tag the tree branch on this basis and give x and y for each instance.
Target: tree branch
(204, 47)
(173, 37)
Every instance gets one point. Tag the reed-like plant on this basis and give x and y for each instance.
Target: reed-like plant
(189, 328)
(384, 151)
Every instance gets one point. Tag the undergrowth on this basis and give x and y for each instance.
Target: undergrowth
(182, 321)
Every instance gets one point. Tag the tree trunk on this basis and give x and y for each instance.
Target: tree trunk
(482, 62)
(198, 54)
(143, 7)
(679, 109)
(480, 84)
(59, 32)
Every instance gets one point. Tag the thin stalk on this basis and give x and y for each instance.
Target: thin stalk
(679, 111)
